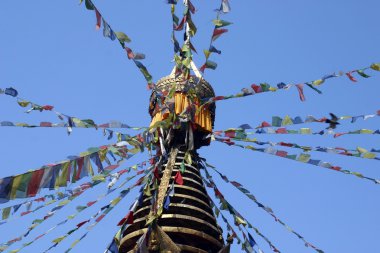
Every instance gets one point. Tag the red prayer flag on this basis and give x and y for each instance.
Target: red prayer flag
(281, 130)
(336, 168)
(80, 162)
(234, 183)
(98, 19)
(300, 91)
(178, 178)
(156, 173)
(25, 213)
(140, 181)
(338, 135)
(91, 203)
(180, 26)
(286, 144)
(202, 68)
(46, 124)
(42, 199)
(34, 182)
(256, 88)
(111, 167)
(281, 153)
(47, 107)
(191, 7)
(265, 124)
(128, 219)
(217, 33)
(321, 119)
(121, 172)
(218, 98)
(38, 237)
(230, 134)
(82, 223)
(351, 77)
(130, 53)
(100, 218)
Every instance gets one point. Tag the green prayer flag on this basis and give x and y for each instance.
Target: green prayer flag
(264, 87)
(122, 37)
(276, 121)
(89, 5)
(183, 168)
(211, 65)
(361, 72)
(293, 157)
(81, 208)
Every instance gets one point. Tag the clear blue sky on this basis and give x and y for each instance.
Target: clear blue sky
(52, 54)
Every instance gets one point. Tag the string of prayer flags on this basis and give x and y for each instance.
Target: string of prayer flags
(278, 121)
(53, 198)
(50, 213)
(239, 219)
(304, 158)
(24, 103)
(259, 204)
(97, 217)
(241, 135)
(283, 130)
(59, 174)
(80, 208)
(358, 152)
(70, 121)
(229, 227)
(217, 32)
(77, 124)
(108, 32)
(264, 87)
(183, 56)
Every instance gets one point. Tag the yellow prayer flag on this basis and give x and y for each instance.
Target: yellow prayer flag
(366, 131)
(287, 121)
(305, 131)
(15, 185)
(115, 201)
(369, 155)
(318, 82)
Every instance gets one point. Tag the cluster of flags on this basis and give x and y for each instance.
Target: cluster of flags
(74, 193)
(260, 205)
(122, 38)
(183, 55)
(242, 224)
(265, 87)
(302, 157)
(60, 174)
(219, 29)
